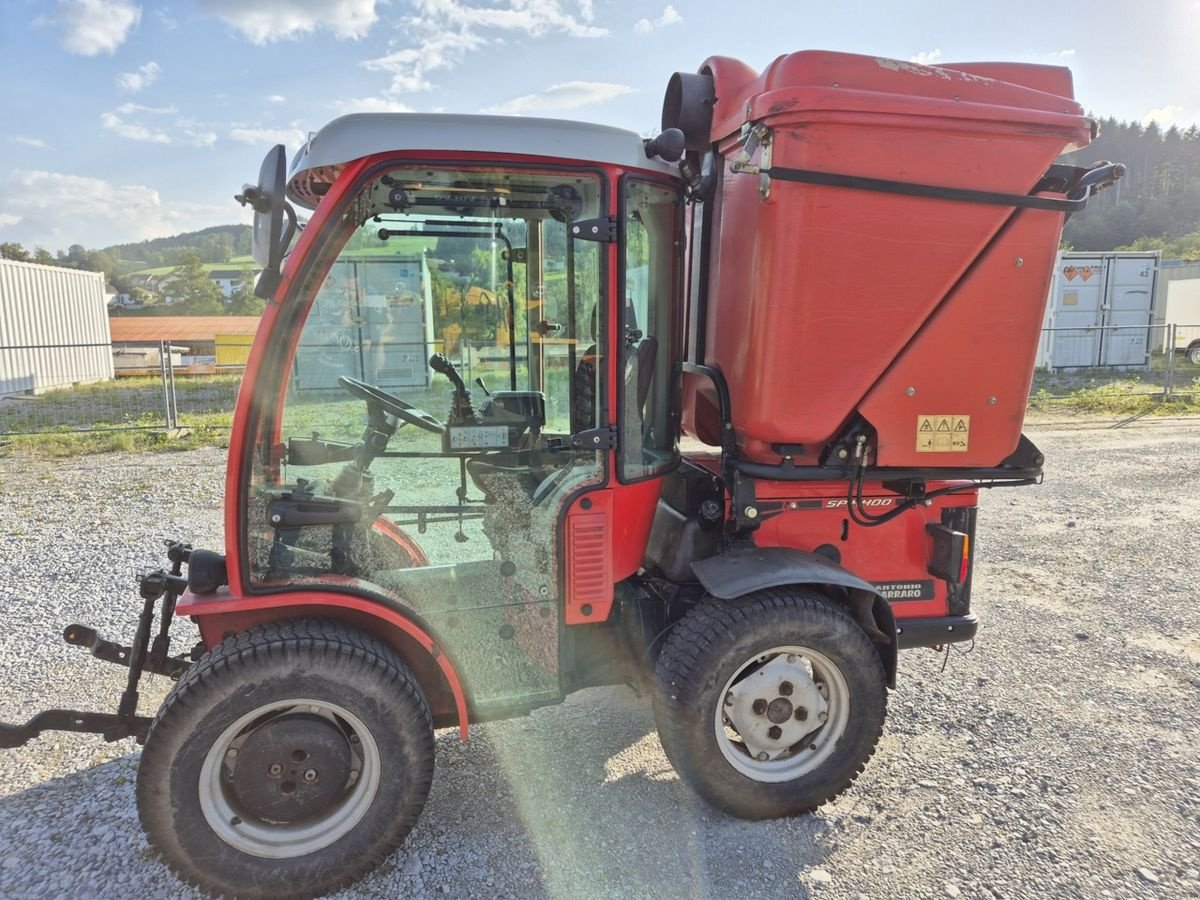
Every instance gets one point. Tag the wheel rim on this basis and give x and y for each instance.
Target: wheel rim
(782, 713)
(237, 804)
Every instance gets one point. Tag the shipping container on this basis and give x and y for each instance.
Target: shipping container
(388, 335)
(1100, 312)
(53, 328)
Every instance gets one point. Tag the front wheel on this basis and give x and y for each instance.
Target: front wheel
(771, 704)
(290, 760)
(1193, 355)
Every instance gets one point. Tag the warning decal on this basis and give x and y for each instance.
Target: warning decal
(943, 434)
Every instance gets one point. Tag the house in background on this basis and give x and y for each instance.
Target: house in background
(198, 344)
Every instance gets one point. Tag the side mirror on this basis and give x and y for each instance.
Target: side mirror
(269, 202)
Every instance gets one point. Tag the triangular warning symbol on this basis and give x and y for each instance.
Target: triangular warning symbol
(944, 425)
(925, 426)
(961, 426)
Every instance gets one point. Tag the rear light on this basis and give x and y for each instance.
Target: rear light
(951, 557)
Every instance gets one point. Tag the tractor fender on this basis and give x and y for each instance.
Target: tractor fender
(222, 613)
(747, 569)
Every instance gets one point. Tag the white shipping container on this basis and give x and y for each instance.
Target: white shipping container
(1100, 311)
(53, 328)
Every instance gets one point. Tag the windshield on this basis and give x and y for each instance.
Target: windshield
(442, 484)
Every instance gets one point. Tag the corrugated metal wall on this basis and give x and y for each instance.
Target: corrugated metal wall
(53, 327)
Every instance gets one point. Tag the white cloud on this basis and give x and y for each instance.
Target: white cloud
(55, 209)
(264, 21)
(132, 130)
(292, 138)
(128, 109)
(165, 18)
(91, 27)
(370, 105)
(562, 97)
(670, 16)
(445, 31)
(28, 141)
(277, 98)
(409, 67)
(927, 58)
(133, 82)
(1164, 115)
(195, 133)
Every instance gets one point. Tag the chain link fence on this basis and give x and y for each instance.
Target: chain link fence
(1086, 367)
(1159, 362)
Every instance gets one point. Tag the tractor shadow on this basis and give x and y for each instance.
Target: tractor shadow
(575, 800)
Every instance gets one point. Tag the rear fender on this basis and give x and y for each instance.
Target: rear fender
(748, 569)
(221, 614)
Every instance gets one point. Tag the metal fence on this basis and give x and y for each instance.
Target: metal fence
(1083, 365)
(1159, 362)
(162, 394)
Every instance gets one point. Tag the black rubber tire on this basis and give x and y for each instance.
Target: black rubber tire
(704, 650)
(1193, 355)
(309, 658)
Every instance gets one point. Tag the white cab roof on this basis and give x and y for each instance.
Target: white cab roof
(365, 134)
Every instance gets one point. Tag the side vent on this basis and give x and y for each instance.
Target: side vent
(589, 559)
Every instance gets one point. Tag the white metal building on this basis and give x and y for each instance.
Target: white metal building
(53, 328)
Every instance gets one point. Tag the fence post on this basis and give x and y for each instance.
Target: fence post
(163, 350)
(173, 400)
(1169, 362)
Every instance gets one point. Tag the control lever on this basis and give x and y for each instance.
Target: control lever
(462, 412)
(482, 386)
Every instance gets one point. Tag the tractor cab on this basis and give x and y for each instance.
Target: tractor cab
(463, 340)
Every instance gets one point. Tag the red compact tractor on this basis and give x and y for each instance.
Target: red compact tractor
(713, 415)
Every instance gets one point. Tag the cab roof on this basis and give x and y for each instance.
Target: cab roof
(365, 134)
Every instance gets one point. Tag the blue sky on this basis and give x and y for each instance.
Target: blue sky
(128, 119)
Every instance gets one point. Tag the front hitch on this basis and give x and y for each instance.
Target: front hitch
(139, 657)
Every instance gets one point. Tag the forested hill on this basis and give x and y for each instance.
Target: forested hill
(214, 245)
(1156, 205)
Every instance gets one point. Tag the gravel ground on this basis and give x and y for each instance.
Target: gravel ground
(1058, 759)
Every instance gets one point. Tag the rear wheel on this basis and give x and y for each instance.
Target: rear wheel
(1193, 355)
(771, 704)
(290, 760)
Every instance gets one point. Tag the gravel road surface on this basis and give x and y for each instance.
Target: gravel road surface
(1059, 758)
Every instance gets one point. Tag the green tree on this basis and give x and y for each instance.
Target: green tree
(43, 256)
(192, 292)
(14, 251)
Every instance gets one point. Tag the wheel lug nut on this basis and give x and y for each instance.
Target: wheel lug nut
(785, 689)
(823, 716)
(275, 770)
(231, 752)
(775, 733)
(801, 714)
(762, 757)
(310, 775)
(759, 707)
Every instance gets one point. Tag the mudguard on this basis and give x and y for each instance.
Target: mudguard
(748, 569)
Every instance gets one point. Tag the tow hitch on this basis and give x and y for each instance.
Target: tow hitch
(141, 657)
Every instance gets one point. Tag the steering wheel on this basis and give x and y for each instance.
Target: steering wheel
(391, 405)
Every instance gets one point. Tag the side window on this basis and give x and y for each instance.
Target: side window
(647, 338)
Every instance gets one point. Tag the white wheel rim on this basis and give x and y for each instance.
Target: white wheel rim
(272, 840)
(753, 732)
